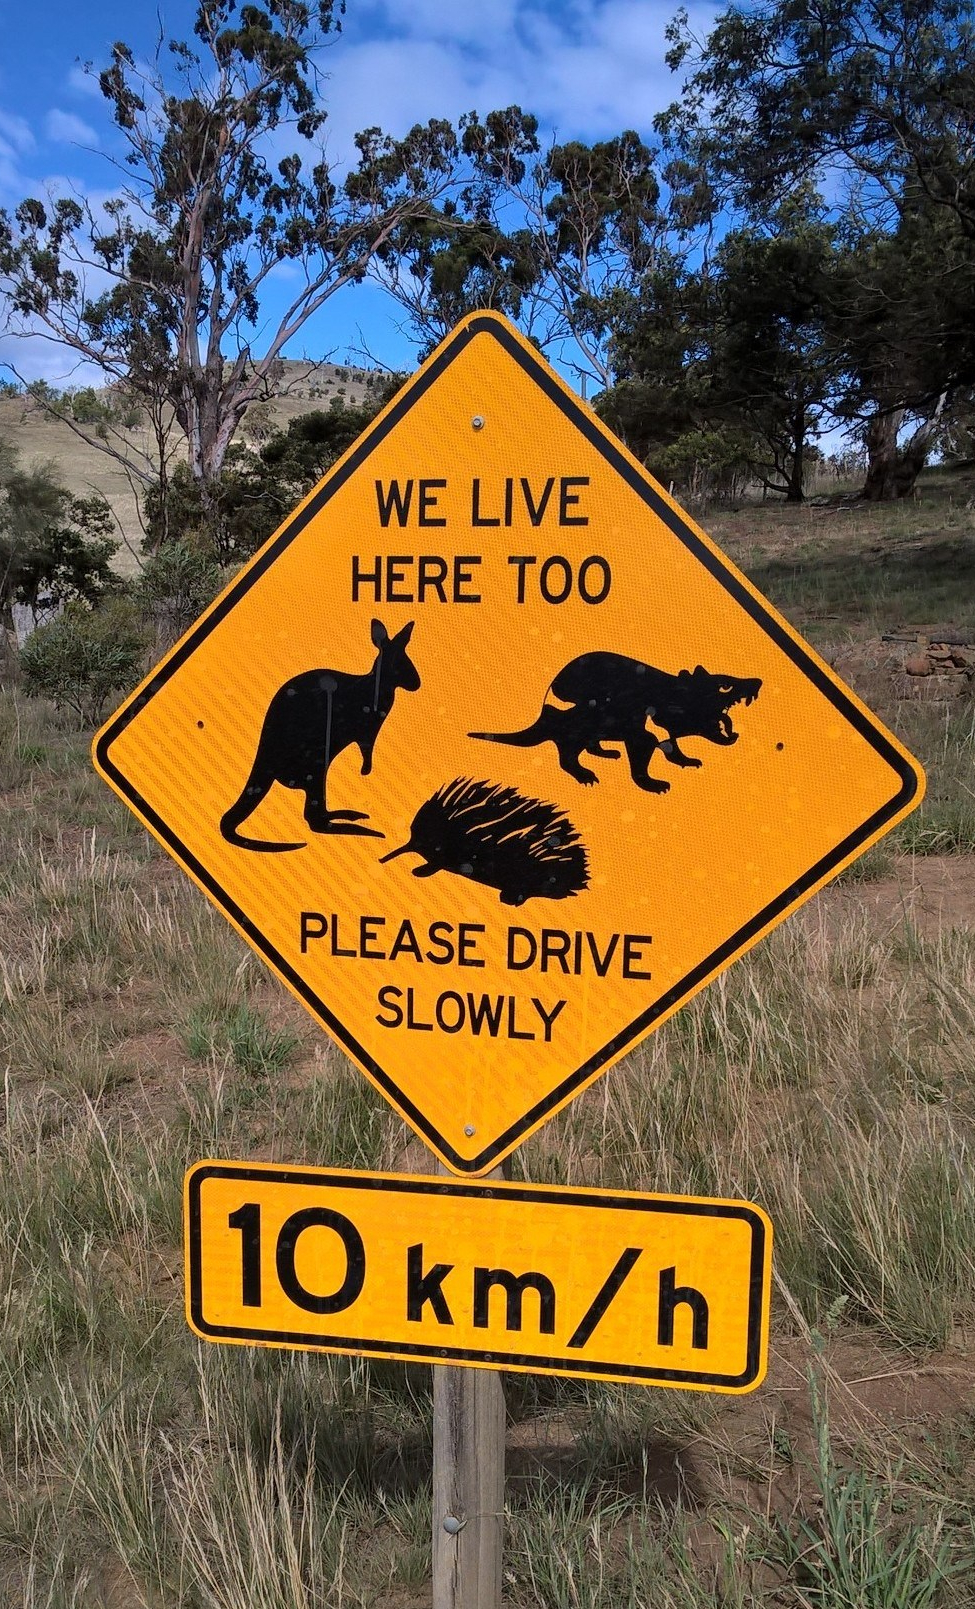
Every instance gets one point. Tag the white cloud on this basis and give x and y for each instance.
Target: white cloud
(587, 70)
(84, 83)
(462, 23)
(15, 132)
(15, 139)
(67, 129)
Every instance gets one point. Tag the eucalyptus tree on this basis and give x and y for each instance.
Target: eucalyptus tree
(872, 101)
(777, 366)
(551, 236)
(165, 286)
(779, 92)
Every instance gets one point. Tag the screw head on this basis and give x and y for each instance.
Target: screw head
(478, 422)
(469, 1129)
(452, 1524)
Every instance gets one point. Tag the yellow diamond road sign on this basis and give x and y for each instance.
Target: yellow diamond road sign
(493, 757)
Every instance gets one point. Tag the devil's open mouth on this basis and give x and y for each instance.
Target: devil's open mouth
(748, 695)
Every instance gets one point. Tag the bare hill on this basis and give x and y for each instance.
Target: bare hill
(85, 469)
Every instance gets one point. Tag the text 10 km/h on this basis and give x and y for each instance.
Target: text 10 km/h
(644, 1289)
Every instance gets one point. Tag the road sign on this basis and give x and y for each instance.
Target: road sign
(493, 757)
(646, 1289)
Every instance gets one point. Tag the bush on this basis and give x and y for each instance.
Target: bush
(70, 558)
(706, 462)
(175, 587)
(83, 657)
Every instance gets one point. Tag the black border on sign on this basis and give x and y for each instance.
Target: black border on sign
(422, 1352)
(583, 422)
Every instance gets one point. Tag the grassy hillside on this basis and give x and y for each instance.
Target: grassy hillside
(84, 469)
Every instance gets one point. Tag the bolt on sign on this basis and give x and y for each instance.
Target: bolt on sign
(493, 757)
(645, 1289)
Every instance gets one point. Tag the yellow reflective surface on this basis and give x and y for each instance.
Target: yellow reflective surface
(644, 1289)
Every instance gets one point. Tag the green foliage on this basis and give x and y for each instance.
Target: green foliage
(706, 462)
(84, 656)
(43, 393)
(855, 1555)
(545, 236)
(71, 560)
(886, 93)
(223, 520)
(776, 363)
(295, 459)
(52, 545)
(175, 586)
(872, 317)
(244, 1034)
(105, 410)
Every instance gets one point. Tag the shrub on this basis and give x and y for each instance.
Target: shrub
(175, 587)
(84, 656)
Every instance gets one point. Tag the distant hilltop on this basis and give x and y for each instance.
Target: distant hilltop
(303, 387)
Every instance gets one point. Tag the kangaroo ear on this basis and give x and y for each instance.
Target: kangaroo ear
(699, 670)
(403, 637)
(379, 634)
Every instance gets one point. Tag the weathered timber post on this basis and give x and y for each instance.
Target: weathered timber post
(468, 1484)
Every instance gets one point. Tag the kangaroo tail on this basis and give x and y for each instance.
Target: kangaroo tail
(233, 837)
(231, 819)
(538, 732)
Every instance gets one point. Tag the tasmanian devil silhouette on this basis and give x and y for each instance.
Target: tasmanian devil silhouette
(611, 698)
(309, 721)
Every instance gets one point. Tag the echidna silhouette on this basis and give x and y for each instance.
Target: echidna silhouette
(524, 848)
(611, 698)
(309, 721)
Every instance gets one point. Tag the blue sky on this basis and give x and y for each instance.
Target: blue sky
(587, 68)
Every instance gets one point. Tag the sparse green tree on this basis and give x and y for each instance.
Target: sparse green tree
(777, 367)
(547, 237)
(882, 91)
(205, 216)
(882, 97)
(255, 492)
(174, 588)
(71, 557)
(51, 545)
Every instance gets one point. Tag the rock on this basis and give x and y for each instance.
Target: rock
(918, 665)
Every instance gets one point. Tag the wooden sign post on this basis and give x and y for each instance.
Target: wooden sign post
(477, 1277)
(469, 1423)
(468, 1487)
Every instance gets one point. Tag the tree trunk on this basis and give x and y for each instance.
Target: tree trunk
(891, 471)
(8, 646)
(880, 485)
(793, 490)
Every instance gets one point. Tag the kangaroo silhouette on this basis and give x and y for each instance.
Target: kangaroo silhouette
(309, 721)
(611, 697)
